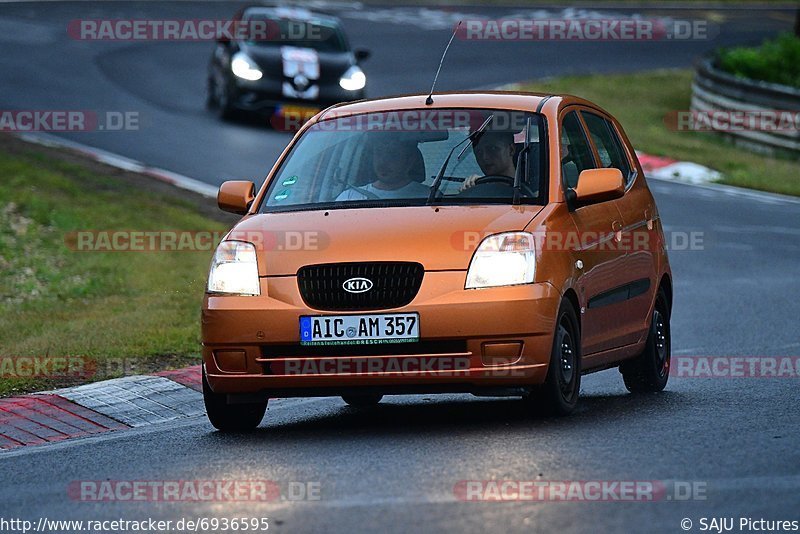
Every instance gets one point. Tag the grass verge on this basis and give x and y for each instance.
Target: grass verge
(641, 101)
(111, 313)
(776, 60)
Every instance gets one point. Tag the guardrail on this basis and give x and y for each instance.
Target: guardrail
(715, 90)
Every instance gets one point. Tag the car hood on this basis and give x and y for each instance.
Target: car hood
(440, 238)
(270, 60)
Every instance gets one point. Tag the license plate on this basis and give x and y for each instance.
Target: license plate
(298, 112)
(359, 329)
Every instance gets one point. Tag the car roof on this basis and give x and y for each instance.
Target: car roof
(291, 13)
(511, 100)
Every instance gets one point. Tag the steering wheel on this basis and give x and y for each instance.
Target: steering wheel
(502, 179)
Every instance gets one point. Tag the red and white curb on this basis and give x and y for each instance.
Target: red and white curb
(662, 168)
(118, 404)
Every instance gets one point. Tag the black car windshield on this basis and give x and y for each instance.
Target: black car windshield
(321, 35)
(393, 158)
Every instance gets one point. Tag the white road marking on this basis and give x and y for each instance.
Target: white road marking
(122, 162)
(443, 19)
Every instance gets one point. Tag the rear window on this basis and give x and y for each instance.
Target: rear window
(576, 155)
(609, 147)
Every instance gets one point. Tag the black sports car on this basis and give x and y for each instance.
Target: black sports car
(302, 64)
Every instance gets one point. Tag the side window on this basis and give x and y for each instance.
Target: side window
(576, 155)
(609, 146)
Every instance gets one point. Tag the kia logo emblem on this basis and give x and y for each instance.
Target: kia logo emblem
(357, 285)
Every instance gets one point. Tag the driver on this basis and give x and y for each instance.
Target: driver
(494, 153)
(393, 165)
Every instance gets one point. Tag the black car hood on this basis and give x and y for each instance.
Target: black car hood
(332, 65)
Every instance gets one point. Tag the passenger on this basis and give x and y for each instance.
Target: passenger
(569, 169)
(395, 164)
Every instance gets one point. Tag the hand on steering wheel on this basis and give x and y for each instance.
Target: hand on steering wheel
(469, 182)
(476, 179)
(497, 178)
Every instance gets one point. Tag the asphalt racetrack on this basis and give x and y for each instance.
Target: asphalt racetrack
(397, 467)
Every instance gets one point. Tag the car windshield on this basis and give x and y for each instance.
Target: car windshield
(394, 158)
(320, 35)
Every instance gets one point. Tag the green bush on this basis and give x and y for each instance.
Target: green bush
(776, 60)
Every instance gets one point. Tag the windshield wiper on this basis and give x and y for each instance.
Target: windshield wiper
(472, 138)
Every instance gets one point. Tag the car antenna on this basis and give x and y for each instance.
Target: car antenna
(429, 100)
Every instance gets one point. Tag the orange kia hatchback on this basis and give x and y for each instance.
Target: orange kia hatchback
(489, 243)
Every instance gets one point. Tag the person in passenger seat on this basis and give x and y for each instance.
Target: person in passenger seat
(569, 169)
(395, 164)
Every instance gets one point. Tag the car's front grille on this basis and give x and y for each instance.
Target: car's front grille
(393, 284)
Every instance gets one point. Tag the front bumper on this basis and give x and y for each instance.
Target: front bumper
(469, 339)
(258, 100)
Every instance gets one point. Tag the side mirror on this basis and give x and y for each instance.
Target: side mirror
(236, 196)
(361, 54)
(598, 185)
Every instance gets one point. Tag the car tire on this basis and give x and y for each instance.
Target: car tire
(231, 417)
(219, 100)
(211, 99)
(362, 401)
(561, 389)
(649, 371)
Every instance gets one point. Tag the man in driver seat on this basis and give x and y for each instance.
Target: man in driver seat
(494, 153)
(395, 164)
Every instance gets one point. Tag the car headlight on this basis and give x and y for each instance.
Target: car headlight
(234, 269)
(354, 79)
(244, 67)
(503, 260)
